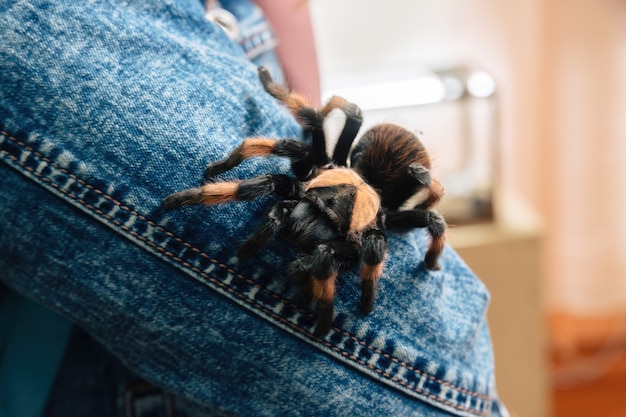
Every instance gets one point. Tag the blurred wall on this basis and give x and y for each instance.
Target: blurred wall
(583, 123)
(561, 72)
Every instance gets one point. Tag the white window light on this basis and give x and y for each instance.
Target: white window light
(416, 91)
(394, 94)
(480, 84)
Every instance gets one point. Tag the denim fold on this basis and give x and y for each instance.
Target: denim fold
(108, 107)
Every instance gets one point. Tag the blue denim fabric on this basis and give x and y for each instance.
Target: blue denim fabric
(106, 108)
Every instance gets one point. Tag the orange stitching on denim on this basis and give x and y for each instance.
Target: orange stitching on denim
(228, 269)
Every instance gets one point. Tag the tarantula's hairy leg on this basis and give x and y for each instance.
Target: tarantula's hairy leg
(427, 190)
(372, 255)
(301, 270)
(290, 148)
(405, 220)
(279, 184)
(324, 292)
(292, 100)
(271, 225)
(335, 102)
(308, 116)
(317, 273)
(324, 276)
(342, 122)
(346, 256)
(221, 192)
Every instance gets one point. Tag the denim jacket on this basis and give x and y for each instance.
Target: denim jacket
(106, 108)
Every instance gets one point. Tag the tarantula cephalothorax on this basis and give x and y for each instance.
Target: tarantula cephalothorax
(343, 198)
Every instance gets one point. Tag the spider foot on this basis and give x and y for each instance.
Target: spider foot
(432, 261)
(324, 319)
(368, 295)
(190, 197)
(247, 249)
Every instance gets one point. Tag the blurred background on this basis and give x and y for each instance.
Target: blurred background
(523, 107)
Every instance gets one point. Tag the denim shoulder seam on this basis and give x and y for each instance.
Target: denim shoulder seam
(245, 291)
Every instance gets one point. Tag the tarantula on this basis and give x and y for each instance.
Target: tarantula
(344, 196)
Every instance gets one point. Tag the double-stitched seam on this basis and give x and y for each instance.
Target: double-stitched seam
(250, 282)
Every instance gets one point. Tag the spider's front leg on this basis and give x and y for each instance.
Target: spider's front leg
(402, 221)
(275, 221)
(317, 273)
(293, 149)
(346, 256)
(372, 255)
(324, 277)
(221, 192)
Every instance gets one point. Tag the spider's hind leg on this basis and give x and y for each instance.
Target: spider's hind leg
(437, 229)
(402, 221)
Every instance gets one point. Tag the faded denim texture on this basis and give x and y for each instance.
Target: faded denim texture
(106, 108)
